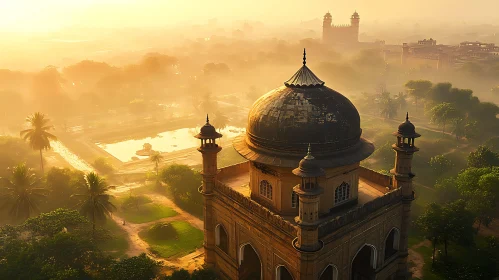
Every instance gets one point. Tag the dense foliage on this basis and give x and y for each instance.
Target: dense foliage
(183, 183)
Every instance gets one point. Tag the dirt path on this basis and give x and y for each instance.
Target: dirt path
(138, 246)
(417, 259)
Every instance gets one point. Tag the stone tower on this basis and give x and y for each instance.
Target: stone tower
(402, 179)
(209, 149)
(326, 27)
(282, 216)
(355, 23)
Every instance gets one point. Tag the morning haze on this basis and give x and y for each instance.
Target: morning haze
(271, 140)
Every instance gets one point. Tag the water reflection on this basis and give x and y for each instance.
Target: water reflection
(168, 141)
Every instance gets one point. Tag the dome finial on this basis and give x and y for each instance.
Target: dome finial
(207, 119)
(304, 57)
(407, 116)
(309, 152)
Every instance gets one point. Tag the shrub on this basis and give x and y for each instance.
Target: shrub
(103, 166)
(162, 231)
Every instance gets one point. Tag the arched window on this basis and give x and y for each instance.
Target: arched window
(329, 273)
(282, 273)
(266, 189)
(342, 193)
(392, 243)
(294, 200)
(221, 238)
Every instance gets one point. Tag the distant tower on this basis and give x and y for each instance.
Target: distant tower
(326, 27)
(308, 192)
(402, 179)
(355, 23)
(405, 53)
(209, 149)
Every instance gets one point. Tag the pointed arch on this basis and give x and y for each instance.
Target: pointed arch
(282, 273)
(392, 243)
(330, 272)
(222, 238)
(364, 262)
(248, 262)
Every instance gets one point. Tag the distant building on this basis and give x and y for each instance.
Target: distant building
(301, 207)
(426, 53)
(340, 34)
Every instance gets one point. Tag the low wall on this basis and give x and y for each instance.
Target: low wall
(233, 170)
(361, 212)
(375, 177)
(253, 208)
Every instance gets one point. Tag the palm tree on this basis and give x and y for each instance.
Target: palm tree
(95, 204)
(156, 157)
(22, 192)
(38, 135)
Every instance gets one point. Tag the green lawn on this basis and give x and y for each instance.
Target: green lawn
(117, 245)
(148, 212)
(189, 239)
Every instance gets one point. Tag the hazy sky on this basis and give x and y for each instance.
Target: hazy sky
(41, 15)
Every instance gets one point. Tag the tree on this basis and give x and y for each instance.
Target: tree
(443, 112)
(479, 188)
(139, 267)
(483, 157)
(448, 223)
(418, 88)
(22, 192)
(103, 166)
(62, 183)
(440, 164)
(156, 157)
(40, 249)
(220, 121)
(95, 203)
(446, 190)
(183, 183)
(38, 136)
(430, 222)
(400, 100)
(388, 106)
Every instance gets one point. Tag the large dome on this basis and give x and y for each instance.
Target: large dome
(283, 122)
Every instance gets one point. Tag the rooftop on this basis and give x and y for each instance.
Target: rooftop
(237, 178)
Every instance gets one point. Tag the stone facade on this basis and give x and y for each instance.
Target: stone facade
(278, 217)
(341, 34)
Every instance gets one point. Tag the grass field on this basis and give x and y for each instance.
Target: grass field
(148, 212)
(117, 245)
(188, 240)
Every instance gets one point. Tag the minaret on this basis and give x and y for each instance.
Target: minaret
(402, 179)
(355, 23)
(326, 28)
(209, 149)
(308, 192)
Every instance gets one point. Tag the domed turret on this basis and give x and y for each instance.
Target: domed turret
(208, 131)
(283, 122)
(308, 167)
(407, 129)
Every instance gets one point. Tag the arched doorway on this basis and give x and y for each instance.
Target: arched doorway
(221, 238)
(282, 273)
(392, 243)
(364, 263)
(329, 273)
(250, 265)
